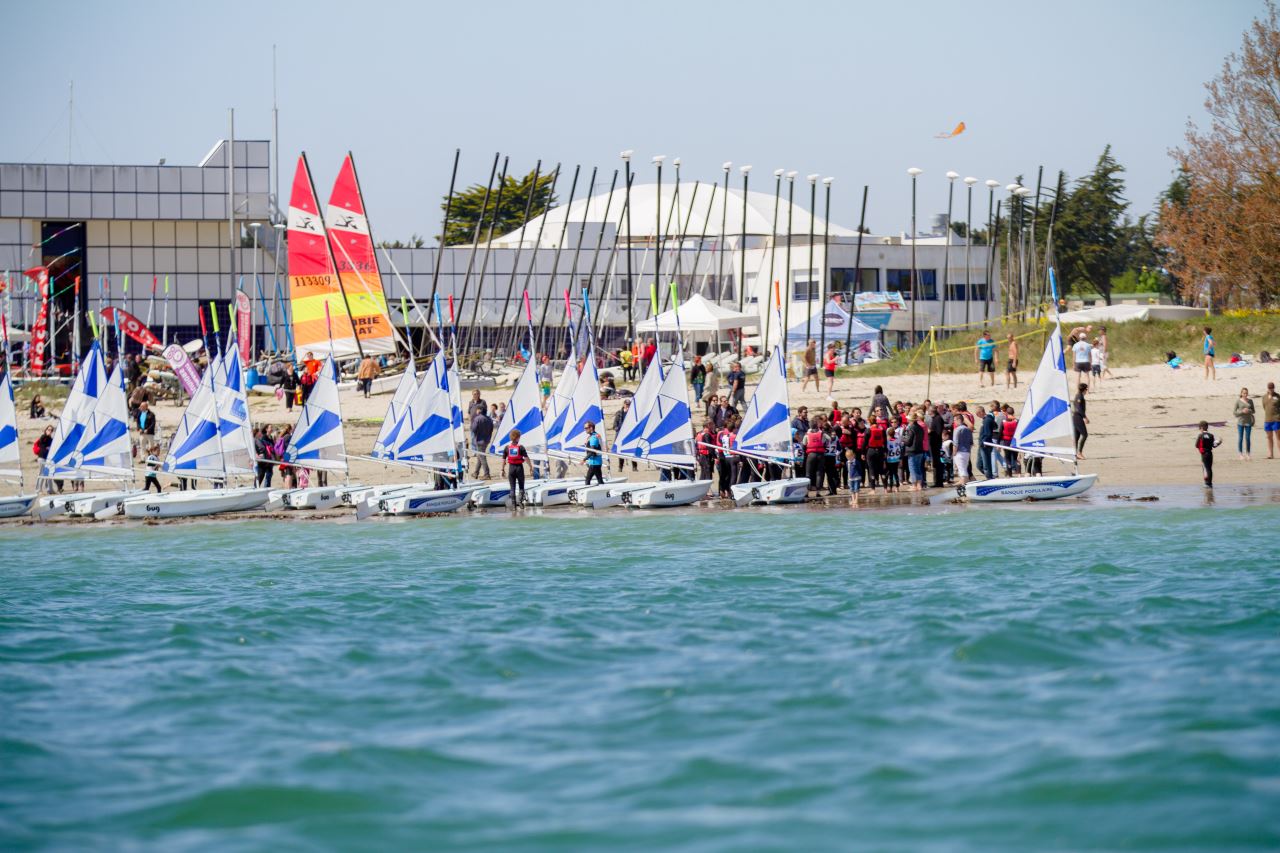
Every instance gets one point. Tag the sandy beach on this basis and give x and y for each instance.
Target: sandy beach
(1138, 433)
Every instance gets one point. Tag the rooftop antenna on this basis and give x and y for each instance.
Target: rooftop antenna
(71, 107)
(275, 137)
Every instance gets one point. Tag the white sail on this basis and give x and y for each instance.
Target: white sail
(233, 414)
(317, 438)
(668, 436)
(766, 424)
(586, 407)
(560, 401)
(635, 423)
(73, 424)
(455, 405)
(524, 412)
(106, 450)
(1046, 412)
(10, 451)
(426, 435)
(395, 412)
(196, 448)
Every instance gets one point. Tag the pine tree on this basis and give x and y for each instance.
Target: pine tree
(1090, 243)
(465, 209)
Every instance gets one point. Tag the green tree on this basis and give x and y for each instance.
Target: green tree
(1091, 242)
(465, 211)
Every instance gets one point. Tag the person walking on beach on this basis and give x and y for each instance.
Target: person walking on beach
(1244, 412)
(737, 380)
(513, 461)
(1210, 369)
(1011, 366)
(698, 378)
(152, 463)
(594, 455)
(544, 376)
(984, 355)
(880, 406)
(829, 369)
(1271, 418)
(289, 386)
(481, 434)
(146, 420)
(1205, 443)
(810, 360)
(1081, 352)
(365, 375)
(1079, 421)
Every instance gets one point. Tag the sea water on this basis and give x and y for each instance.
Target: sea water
(758, 680)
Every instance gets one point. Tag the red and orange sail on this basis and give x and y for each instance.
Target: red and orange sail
(313, 279)
(357, 263)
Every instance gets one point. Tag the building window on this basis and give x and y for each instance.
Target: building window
(956, 292)
(842, 281)
(926, 283)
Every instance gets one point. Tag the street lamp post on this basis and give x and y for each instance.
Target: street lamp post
(280, 228)
(1011, 304)
(773, 250)
(657, 228)
(946, 251)
(1024, 286)
(742, 250)
(914, 173)
(254, 226)
(786, 261)
(991, 246)
(825, 279)
(968, 244)
(808, 291)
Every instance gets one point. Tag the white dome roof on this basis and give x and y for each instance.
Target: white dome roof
(691, 216)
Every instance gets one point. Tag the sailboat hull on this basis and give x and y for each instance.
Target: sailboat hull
(667, 494)
(424, 502)
(321, 497)
(14, 506)
(91, 503)
(496, 494)
(195, 503)
(1041, 488)
(793, 490)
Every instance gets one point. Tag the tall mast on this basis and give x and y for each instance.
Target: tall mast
(555, 264)
(444, 227)
(475, 236)
(515, 265)
(484, 264)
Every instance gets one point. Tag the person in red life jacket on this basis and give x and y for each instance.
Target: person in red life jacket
(1007, 429)
(513, 460)
(877, 442)
(726, 439)
(1205, 443)
(832, 453)
(815, 448)
(706, 451)
(650, 350)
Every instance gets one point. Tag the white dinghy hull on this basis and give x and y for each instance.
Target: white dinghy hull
(420, 503)
(666, 494)
(196, 503)
(315, 497)
(792, 490)
(92, 503)
(15, 506)
(1040, 488)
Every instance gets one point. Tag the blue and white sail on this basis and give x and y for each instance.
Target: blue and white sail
(317, 438)
(73, 424)
(196, 448)
(585, 408)
(560, 401)
(106, 450)
(524, 412)
(10, 451)
(668, 434)
(396, 410)
(766, 423)
(233, 413)
(454, 389)
(635, 423)
(426, 434)
(1046, 412)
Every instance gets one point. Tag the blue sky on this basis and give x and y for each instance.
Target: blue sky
(855, 90)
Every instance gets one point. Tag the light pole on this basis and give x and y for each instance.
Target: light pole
(724, 218)
(991, 247)
(657, 232)
(254, 226)
(280, 228)
(1010, 304)
(968, 243)
(626, 162)
(1024, 283)
(808, 291)
(786, 273)
(914, 173)
(742, 249)
(825, 279)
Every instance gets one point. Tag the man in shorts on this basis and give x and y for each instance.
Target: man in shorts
(1011, 367)
(1082, 352)
(984, 353)
(1271, 418)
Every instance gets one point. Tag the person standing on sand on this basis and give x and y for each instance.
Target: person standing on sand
(880, 404)
(481, 435)
(809, 365)
(913, 449)
(513, 461)
(1011, 367)
(698, 378)
(1210, 369)
(1205, 443)
(1078, 419)
(1271, 418)
(738, 385)
(594, 456)
(1244, 412)
(366, 374)
(1082, 353)
(962, 438)
(829, 369)
(984, 355)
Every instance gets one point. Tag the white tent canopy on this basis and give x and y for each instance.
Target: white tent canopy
(1126, 313)
(698, 314)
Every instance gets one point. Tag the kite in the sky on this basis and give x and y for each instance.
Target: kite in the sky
(959, 130)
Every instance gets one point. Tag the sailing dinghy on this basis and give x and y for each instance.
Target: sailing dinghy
(11, 506)
(1046, 416)
(318, 442)
(765, 437)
